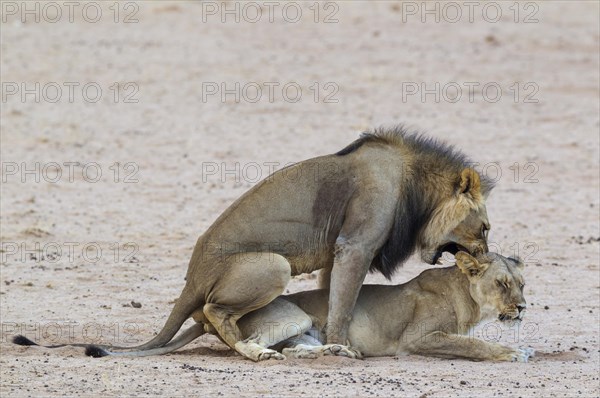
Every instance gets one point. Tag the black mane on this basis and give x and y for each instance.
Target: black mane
(413, 211)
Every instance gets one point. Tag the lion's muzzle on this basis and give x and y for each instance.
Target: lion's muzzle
(513, 314)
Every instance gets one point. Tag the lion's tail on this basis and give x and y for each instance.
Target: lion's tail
(184, 338)
(183, 309)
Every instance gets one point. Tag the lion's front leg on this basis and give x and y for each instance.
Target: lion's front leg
(324, 278)
(443, 345)
(363, 233)
(369, 219)
(349, 271)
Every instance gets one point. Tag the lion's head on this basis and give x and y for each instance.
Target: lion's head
(460, 222)
(496, 285)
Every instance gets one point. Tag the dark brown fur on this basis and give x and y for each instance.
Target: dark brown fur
(412, 212)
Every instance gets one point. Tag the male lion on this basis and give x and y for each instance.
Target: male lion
(428, 315)
(367, 207)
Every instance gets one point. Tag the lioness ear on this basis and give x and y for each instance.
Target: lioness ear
(469, 265)
(518, 262)
(470, 183)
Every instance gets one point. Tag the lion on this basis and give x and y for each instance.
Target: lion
(428, 315)
(365, 208)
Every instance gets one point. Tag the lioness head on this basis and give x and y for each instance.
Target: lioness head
(460, 222)
(496, 284)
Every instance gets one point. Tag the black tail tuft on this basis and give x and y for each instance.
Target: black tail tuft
(22, 340)
(96, 352)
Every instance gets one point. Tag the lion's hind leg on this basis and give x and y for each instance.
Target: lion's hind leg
(270, 328)
(308, 346)
(308, 351)
(304, 346)
(250, 282)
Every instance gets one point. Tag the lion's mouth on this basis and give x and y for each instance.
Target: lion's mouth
(450, 247)
(508, 318)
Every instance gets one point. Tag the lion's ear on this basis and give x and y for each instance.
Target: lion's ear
(470, 183)
(469, 265)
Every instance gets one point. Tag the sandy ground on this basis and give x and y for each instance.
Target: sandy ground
(173, 155)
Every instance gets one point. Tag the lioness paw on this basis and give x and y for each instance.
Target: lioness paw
(341, 350)
(270, 354)
(523, 354)
(256, 352)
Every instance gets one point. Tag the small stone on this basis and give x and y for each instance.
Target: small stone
(135, 304)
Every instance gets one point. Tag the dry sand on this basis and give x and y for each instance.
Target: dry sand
(172, 145)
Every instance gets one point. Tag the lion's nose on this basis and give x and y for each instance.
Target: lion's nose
(521, 307)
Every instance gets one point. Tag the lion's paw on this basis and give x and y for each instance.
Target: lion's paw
(256, 352)
(341, 350)
(523, 354)
(270, 354)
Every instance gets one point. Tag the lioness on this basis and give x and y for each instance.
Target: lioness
(367, 207)
(428, 315)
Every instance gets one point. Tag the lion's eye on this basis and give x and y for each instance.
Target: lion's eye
(503, 284)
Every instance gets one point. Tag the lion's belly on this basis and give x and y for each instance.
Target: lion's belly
(369, 337)
(294, 213)
(305, 263)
